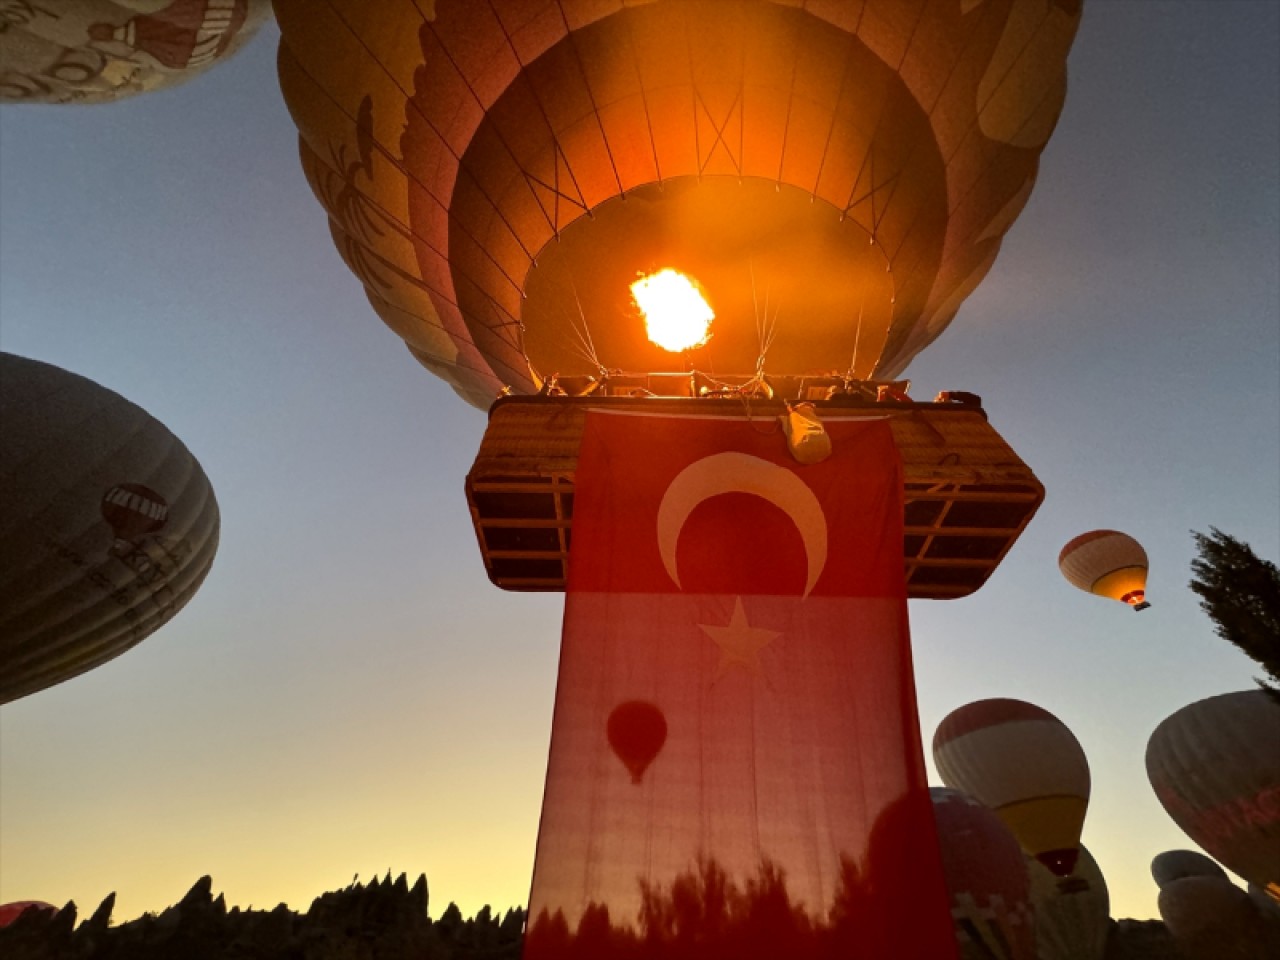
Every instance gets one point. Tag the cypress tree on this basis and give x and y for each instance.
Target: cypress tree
(1240, 592)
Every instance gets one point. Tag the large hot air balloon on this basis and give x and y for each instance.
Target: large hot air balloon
(109, 525)
(1175, 864)
(636, 730)
(842, 174)
(987, 879)
(1109, 564)
(1073, 914)
(1215, 765)
(97, 51)
(1025, 764)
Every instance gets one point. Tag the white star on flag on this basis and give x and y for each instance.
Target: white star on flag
(739, 642)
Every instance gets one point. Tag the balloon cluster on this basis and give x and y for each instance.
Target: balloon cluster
(1009, 826)
(1022, 886)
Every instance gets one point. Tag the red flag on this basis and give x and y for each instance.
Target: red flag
(735, 767)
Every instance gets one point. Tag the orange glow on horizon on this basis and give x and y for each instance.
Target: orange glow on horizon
(676, 315)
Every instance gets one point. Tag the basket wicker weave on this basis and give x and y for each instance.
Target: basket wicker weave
(968, 495)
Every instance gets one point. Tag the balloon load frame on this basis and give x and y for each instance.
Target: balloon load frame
(968, 495)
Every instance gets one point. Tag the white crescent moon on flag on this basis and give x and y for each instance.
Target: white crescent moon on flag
(742, 473)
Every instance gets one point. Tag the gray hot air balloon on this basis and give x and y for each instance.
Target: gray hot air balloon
(1073, 914)
(108, 525)
(1215, 765)
(1212, 919)
(1176, 864)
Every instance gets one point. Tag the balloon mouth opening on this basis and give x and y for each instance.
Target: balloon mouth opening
(1136, 599)
(1059, 862)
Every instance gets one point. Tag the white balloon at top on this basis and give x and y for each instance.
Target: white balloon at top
(98, 51)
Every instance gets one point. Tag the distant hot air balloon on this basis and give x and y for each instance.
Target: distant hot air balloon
(133, 510)
(9, 912)
(1073, 914)
(109, 525)
(1107, 563)
(987, 879)
(497, 174)
(1023, 763)
(1215, 765)
(97, 51)
(1212, 919)
(1175, 864)
(636, 730)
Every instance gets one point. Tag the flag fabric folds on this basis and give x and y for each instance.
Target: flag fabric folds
(735, 766)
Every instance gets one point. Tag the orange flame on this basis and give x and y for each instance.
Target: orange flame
(676, 315)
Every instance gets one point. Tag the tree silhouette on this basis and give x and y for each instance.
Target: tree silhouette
(1241, 594)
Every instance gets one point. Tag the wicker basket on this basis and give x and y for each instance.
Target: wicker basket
(968, 495)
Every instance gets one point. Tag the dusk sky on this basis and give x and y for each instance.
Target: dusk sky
(349, 694)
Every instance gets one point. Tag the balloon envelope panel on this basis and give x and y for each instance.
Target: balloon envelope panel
(98, 51)
(1215, 765)
(497, 173)
(109, 525)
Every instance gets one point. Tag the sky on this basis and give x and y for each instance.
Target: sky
(348, 694)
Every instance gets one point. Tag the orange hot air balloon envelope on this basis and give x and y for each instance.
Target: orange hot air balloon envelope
(1027, 766)
(497, 174)
(1107, 563)
(637, 731)
(99, 51)
(108, 529)
(1215, 766)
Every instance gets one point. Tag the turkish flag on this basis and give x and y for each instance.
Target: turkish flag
(735, 769)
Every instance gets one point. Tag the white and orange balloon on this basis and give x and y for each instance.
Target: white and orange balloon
(1107, 563)
(1027, 766)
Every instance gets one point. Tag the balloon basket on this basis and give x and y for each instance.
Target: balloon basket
(968, 495)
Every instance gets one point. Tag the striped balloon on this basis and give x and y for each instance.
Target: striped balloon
(1215, 765)
(1107, 563)
(109, 525)
(1022, 762)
